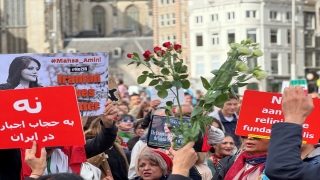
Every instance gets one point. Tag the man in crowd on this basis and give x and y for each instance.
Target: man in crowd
(134, 100)
(228, 117)
(284, 156)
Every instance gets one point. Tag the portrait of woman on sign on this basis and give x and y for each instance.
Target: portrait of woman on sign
(23, 73)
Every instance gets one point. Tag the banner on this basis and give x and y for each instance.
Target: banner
(87, 72)
(260, 110)
(48, 115)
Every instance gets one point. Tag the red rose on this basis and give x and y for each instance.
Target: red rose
(156, 49)
(177, 47)
(129, 55)
(163, 52)
(147, 54)
(167, 45)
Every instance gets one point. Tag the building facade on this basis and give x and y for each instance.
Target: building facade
(170, 23)
(214, 24)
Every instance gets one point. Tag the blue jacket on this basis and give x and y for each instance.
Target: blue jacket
(284, 156)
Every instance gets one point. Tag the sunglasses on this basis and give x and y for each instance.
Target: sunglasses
(246, 137)
(126, 120)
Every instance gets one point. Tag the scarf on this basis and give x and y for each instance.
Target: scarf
(216, 158)
(243, 159)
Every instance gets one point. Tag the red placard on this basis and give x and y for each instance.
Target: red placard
(48, 115)
(259, 110)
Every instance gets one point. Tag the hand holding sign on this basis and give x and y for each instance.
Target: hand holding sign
(109, 113)
(296, 106)
(37, 165)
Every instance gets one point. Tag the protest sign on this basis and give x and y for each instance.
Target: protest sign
(87, 72)
(170, 97)
(160, 136)
(259, 110)
(114, 94)
(48, 115)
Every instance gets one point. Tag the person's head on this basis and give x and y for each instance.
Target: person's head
(131, 142)
(226, 147)
(216, 123)
(120, 81)
(256, 146)
(135, 99)
(143, 94)
(94, 128)
(126, 121)
(153, 164)
(186, 110)
(201, 157)
(230, 107)
(188, 98)
(146, 109)
(138, 130)
(124, 108)
(88, 121)
(61, 176)
(24, 68)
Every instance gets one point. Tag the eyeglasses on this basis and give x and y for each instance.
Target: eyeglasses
(246, 137)
(126, 120)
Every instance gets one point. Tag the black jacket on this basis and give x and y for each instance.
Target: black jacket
(223, 167)
(284, 156)
(178, 177)
(10, 164)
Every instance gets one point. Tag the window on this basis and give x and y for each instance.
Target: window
(309, 59)
(168, 1)
(317, 41)
(252, 63)
(184, 18)
(309, 39)
(168, 37)
(199, 40)
(273, 15)
(173, 19)
(231, 37)
(162, 20)
(252, 34)
(132, 17)
(231, 15)
(215, 62)
(198, 19)
(289, 16)
(214, 17)
(168, 19)
(274, 63)
(250, 14)
(289, 36)
(99, 19)
(215, 39)
(273, 36)
(161, 2)
(174, 39)
(289, 63)
(318, 59)
(309, 18)
(200, 66)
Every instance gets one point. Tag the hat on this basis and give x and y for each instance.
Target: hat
(165, 157)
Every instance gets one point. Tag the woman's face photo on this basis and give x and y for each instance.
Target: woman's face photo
(30, 73)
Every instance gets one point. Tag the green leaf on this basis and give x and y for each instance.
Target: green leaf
(136, 55)
(142, 79)
(184, 76)
(184, 69)
(205, 83)
(197, 110)
(233, 93)
(145, 72)
(185, 84)
(138, 64)
(177, 66)
(165, 71)
(208, 120)
(162, 93)
(177, 84)
(159, 88)
(132, 62)
(213, 96)
(203, 127)
(221, 99)
(223, 79)
(241, 84)
(169, 103)
(176, 77)
(212, 80)
(151, 75)
(242, 77)
(168, 112)
(167, 85)
(154, 82)
(208, 106)
(215, 72)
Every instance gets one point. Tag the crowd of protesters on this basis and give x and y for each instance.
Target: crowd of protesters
(116, 147)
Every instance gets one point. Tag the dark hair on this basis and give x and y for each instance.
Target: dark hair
(217, 121)
(61, 176)
(134, 94)
(136, 125)
(187, 94)
(132, 141)
(120, 81)
(232, 97)
(16, 66)
(89, 121)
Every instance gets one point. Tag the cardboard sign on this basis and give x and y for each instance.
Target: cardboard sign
(49, 116)
(87, 72)
(114, 93)
(170, 97)
(260, 110)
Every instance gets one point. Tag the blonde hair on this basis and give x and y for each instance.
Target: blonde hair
(94, 129)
